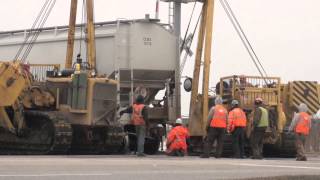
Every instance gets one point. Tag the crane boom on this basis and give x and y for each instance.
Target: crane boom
(71, 32)
(91, 36)
(197, 124)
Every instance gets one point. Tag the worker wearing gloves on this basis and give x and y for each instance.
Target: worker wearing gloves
(216, 128)
(260, 124)
(139, 120)
(301, 124)
(237, 123)
(177, 140)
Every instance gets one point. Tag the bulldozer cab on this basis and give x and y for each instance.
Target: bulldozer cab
(85, 100)
(246, 89)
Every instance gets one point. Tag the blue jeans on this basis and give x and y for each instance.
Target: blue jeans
(141, 134)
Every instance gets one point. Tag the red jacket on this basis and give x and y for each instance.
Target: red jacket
(177, 139)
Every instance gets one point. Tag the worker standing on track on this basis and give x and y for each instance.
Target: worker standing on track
(177, 140)
(301, 124)
(260, 124)
(216, 128)
(139, 120)
(237, 123)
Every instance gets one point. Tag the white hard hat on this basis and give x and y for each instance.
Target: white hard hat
(303, 107)
(179, 121)
(235, 102)
(317, 115)
(218, 100)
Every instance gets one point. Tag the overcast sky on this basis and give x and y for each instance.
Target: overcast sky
(284, 33)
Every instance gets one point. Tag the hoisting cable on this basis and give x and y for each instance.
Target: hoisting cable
(31, 30)
(185, 35)
(192, 37)
(38, 30)
(242, 39)
(245, 36)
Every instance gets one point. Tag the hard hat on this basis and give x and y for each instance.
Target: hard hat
(303, 107)
(317, 115)
(218, 100)
(258, 99)
(179, 121)
(242, 77)
(235, 102)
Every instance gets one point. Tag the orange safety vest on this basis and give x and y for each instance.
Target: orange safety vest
(137, 118)
(219, 118)
(237, 118)
(177, 139)
(303, 125)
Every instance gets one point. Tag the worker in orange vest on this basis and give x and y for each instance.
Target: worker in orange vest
(139, 120)
(301, 124)
(177, 140)
(237, 122)
(216, 128)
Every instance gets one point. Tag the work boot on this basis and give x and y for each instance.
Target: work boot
(180, 154)
(301, 158)
(256, 157)
(141, 155)
(204, 156)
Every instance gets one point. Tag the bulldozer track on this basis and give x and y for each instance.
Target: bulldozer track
(48, 132)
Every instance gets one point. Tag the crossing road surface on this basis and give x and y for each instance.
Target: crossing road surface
(158, 167)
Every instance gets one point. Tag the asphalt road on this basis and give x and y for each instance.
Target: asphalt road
(158, 167)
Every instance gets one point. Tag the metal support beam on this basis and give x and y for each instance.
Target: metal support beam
(91, 35)
(177, 32)
(194, 124)
(198, 121)
(207, 61)
(71, 32)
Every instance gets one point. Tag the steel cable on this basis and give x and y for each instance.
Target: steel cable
(38, 30)
(185, 35)
(245, 36)
(194, 31)
(242, 39)
(30, 32)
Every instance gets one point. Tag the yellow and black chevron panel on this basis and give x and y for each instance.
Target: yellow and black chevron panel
(305, 92)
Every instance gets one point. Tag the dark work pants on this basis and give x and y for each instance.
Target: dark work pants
(257, 142)
(214, 134)
(141, 134)
(300, 146)
(238, 142)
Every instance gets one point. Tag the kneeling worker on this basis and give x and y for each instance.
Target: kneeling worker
(177, 140)
(237, 124)
(301, 125)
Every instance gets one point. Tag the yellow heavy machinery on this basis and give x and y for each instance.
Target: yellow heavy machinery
(73, 111)
(281, 100)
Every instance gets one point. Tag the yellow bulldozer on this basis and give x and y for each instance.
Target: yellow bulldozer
(74, 110)
(281, 100)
